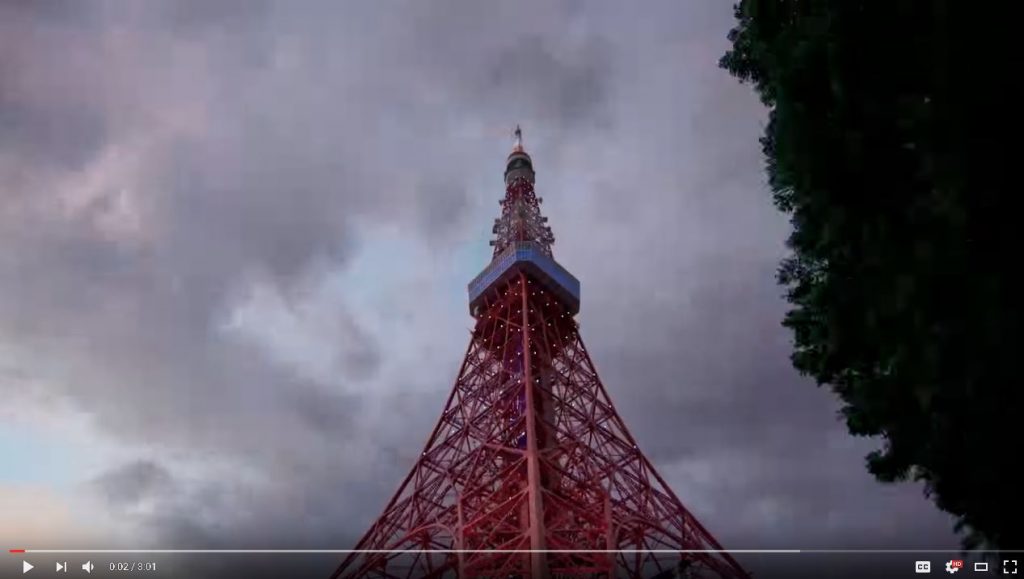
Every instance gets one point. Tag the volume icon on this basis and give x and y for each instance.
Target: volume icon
(87, 567)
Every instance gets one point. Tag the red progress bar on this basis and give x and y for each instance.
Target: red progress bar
(17, 550)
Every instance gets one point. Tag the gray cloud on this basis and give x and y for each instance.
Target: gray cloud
(567, 91)
(129, 483)
(237, 236)
(50, 135)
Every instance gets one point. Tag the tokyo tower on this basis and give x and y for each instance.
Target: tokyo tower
(530, 472)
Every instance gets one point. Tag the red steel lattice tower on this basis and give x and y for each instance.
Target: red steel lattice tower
(530, 472)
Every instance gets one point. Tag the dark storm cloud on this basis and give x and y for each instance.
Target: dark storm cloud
(128, 483)
(203, 16)
(231, 233)
(58, 135)
(567, 92)
(323, 412)
(49, 11)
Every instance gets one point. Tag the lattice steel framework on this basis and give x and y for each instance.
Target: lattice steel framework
(530, 472)
(521, 219)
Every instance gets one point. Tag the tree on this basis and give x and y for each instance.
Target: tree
(889, 144)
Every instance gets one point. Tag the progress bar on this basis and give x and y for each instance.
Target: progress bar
(411, 551)
(566, 551)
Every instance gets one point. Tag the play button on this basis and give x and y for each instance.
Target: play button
(26, 567)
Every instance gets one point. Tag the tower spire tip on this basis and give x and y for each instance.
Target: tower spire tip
(518, 147)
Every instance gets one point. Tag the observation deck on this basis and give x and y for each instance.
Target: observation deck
(526, 256)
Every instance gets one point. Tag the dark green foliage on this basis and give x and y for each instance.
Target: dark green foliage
(892, 143)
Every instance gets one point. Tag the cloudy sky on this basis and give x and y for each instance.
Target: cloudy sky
(235, 238)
